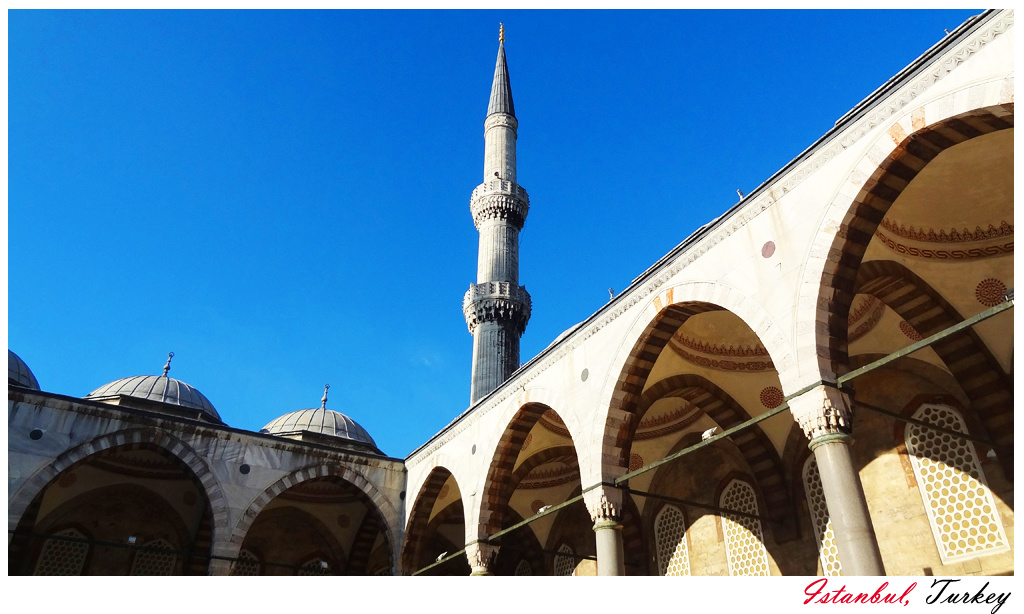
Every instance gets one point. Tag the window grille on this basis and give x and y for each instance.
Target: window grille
(565, 562)
(670, 542)
(62, 557)
(828, 552)
(960, 507)
(744, 544)
(155, 562)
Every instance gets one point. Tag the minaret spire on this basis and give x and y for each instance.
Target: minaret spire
(496, 307)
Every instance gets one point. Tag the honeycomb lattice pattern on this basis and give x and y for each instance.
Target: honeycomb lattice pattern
(565, 563)
(828, 552)
(246, 565)
(744, 547)
(316, 567)
(524, 569)
(670, 539)
(61, 557)
(155, 562)
(960, 507)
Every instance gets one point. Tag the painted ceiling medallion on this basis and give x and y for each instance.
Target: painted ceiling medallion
(536, 505)
(635, 461)
(444, 492)
(990, 292)
(772, 397)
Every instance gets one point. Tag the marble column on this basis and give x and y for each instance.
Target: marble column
(826, 416)
(606, 510)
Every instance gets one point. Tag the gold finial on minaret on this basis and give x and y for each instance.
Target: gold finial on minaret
(501, 32)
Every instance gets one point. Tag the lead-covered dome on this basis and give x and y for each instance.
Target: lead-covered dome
(18, 372)
(157, 389)
(320, 424)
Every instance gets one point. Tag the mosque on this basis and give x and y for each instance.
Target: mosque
(817, 382)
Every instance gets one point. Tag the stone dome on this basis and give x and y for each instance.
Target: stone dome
(319, 421)
(158, 388)
(18, 372)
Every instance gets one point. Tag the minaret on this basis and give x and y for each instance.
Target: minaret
(496, 306)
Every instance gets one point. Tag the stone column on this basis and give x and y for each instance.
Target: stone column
(607, 514)
(481, 558)
(826, 416)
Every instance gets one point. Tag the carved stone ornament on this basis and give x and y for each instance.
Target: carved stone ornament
(824, 410)
(497, 301)
(500, 120)
(604, 510)
(499, 200)
(481, 556)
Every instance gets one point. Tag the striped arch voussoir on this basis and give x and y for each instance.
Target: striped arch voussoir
(201, 474)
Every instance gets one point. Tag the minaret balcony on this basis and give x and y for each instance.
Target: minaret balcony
(497, 301)
(498, 199)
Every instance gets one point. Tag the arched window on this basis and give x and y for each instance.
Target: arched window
(315, 567)
(744, 543)
(246, 565)
(828, 552)
(959, 504)
(524, 569)
(565, 561)
(156, 558)
(63, 554)
(670, 542)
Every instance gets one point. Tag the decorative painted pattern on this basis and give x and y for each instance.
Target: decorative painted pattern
(960, 507)
(990, 292)
(868, 324)
(751, 366)
(909, 331)
(1005, 229)
(772, 397)
(668, 422)
(635, 461)
(970, 253)
(524, 569)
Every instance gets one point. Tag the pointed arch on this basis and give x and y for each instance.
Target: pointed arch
(418, 529)
(376, 503)
(894, 160)
(198, 469)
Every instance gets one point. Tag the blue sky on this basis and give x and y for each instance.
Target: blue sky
(282, 198)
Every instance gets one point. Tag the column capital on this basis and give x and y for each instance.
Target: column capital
(823, 410)
(481, 557)
(604, 505)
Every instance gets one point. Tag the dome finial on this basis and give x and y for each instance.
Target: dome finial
(167, 367)
(323, 401)
(501, 32)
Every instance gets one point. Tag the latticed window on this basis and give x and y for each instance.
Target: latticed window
(156, 559)
(828, 552)
(960, 506)
(246, 565)
(670, 541)
(524, 569)
(63, 557)
(565, 561)
(315, 567)
(744, 543)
